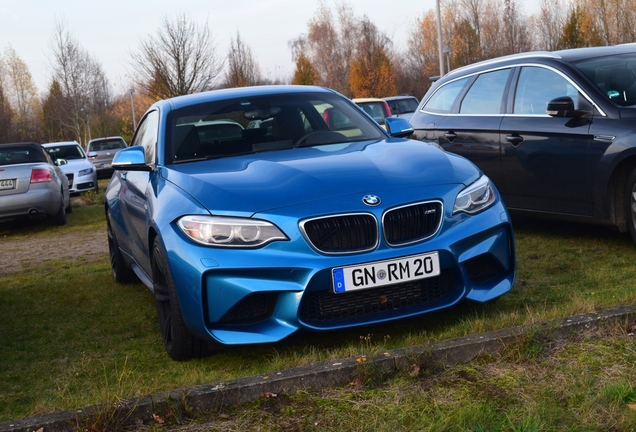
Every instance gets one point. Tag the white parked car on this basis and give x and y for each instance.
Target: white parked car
(73, 162)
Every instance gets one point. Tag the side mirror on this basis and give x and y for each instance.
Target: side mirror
(398, 127)
(91, 154)
(564, 107)
(131, 159)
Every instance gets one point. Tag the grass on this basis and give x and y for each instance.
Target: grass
(585, 385)
(71, 337)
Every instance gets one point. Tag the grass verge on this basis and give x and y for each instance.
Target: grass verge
(71, 337)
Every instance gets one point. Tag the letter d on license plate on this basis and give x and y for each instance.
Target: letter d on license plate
(389, 272)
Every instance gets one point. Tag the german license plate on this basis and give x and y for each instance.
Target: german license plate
(7, 184)
(357, 277)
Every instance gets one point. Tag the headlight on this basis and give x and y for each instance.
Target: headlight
(86, 171)
(229, 232)
(476, 197)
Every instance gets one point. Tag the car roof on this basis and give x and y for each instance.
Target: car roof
(61, 143)
(364, 100)
(27, 144)
(392, 98)
(238, 92)
(110, 138)
(568, 56)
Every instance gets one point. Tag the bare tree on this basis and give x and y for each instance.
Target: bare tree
(6, 113)
(422, 56)
(330, 45)
(22, 96)
(179, 59)
(610, 22)
(81, 81)
(242, 68)
(547, 22)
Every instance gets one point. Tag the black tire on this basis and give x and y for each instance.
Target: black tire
(69, 209)
(60, 217)
(178, 340)
(630, 204)
(121, 272)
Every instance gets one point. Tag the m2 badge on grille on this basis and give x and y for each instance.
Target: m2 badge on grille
(389, 272)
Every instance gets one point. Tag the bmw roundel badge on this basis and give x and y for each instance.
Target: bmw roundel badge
(371, 200)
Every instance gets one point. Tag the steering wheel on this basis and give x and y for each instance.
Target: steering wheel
(320, 137)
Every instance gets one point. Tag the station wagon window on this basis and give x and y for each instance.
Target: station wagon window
(537, 86)
(443, 99)
(486, 94)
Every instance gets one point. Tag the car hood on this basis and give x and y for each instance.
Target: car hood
(73, 165)
(255, 183)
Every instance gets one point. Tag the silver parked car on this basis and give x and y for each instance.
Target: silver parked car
(101, 151)
(31, 185)
(72, 159)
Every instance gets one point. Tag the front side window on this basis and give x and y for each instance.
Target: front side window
(146, 135)
(537, 86)
(614, 75)
(485, 96)
(442, 101)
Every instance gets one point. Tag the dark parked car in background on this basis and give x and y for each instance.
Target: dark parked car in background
(101, 151)
(402, 106)
(31, 185)
(323, 221)
(555, 131)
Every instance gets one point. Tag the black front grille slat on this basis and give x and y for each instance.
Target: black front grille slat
(351, 233)
(324, 307)
(342, 234)
(412, 223)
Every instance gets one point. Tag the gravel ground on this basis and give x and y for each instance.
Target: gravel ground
(24, 253)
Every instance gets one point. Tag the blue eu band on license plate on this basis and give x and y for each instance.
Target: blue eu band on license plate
(370, 275)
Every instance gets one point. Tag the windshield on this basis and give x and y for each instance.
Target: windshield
(264, 123)
(68, 152)
(615, 76)
(403, 105)
(103, 145)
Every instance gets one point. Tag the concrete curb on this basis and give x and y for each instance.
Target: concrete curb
(231, 393)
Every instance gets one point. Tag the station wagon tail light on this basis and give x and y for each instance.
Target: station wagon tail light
(476, 197)
(40, 175)
(229, 232)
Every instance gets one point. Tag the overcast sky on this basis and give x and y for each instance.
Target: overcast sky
(110, 30)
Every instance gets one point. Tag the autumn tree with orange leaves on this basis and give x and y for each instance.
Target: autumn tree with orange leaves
(372, 73)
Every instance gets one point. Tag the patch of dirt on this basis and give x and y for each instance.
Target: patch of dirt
(21, 254)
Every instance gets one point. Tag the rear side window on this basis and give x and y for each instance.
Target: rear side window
(443, 99)
(486, 94)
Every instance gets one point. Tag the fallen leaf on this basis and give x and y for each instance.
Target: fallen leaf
(631, 407)
(415, 370)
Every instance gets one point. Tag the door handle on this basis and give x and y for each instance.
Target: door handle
(450, 136)
(515, 139)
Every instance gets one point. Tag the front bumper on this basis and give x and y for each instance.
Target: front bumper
(264, 295)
